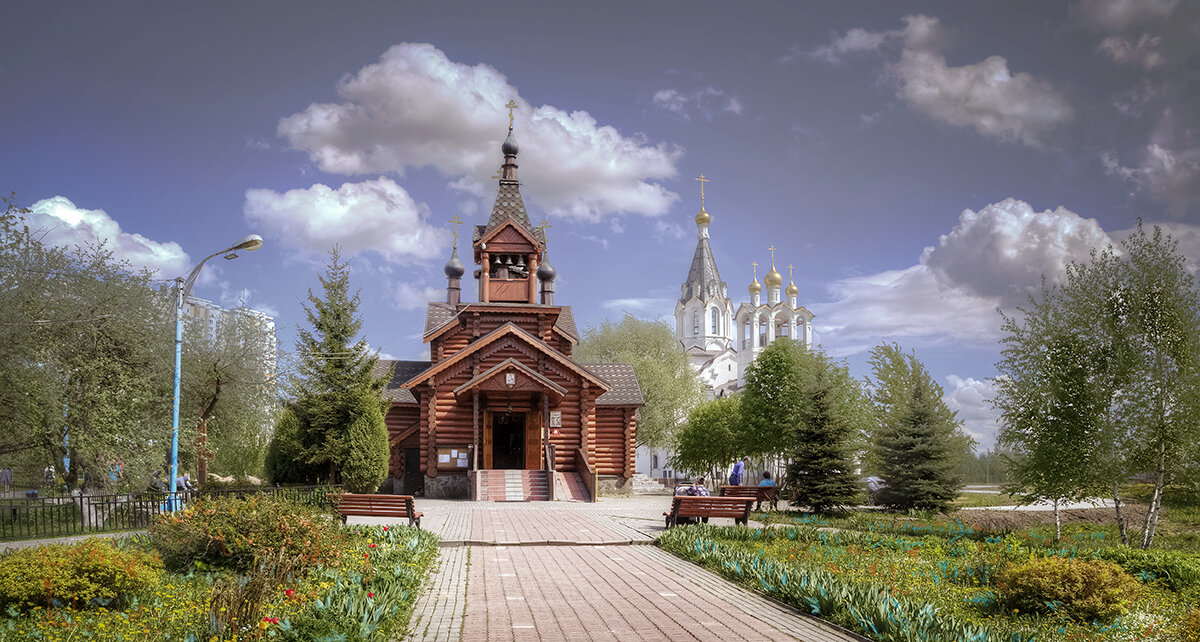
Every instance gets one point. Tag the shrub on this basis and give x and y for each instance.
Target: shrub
(91, 573)
(1083, 590)
(1189, 627)
(365, 462)
(235, 534)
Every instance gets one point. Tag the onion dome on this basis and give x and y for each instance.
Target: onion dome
(773, 279)
(702, 218)
(546, 272)
(755, 286)
(454, 268)
(791, 289)
(509, 147)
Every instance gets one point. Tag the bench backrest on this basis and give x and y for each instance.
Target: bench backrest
(390, 503)
(758, 492)
(687, 506)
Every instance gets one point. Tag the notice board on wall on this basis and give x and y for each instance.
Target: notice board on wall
(453, 458)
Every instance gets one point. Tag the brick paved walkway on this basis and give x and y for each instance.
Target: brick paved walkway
(568, 571)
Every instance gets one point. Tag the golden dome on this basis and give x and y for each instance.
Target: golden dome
(702, 218)
(755, 286)
(773, 279)
(791, 289)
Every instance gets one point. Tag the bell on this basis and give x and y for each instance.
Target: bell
(510, 259)
(497, 262)
(521, 261)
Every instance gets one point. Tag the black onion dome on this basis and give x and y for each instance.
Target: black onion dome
(546, 272)
(454, 268)
(510, 147)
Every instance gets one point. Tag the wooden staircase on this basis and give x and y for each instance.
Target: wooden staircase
(513, 486)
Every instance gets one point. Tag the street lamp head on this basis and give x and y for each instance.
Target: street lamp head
(249, 243)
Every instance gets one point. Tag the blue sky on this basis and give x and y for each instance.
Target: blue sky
(919, 166)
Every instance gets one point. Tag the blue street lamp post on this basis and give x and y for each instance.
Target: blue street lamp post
(182, 288)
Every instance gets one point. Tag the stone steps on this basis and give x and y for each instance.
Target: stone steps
(513, 486)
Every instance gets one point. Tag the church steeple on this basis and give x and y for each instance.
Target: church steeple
(509, 248)
(703, 280)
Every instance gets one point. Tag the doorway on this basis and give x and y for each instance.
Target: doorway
(508, 440)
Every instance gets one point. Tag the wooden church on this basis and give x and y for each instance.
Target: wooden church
(501, 411)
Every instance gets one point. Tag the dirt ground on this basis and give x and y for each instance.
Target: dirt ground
(999, 520)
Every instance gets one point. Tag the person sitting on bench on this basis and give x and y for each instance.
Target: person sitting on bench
(697, 489)
(766, 480)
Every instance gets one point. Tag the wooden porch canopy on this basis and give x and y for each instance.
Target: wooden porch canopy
(523, 380)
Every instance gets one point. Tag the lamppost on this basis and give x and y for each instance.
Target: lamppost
(182, 288)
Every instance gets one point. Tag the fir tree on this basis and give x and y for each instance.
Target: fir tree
(334, 372)
(918, 446)
(821, 473)
(916, 453)
(365, 464)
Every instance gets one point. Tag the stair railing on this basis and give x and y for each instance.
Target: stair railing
(586, 474)
(549, 471)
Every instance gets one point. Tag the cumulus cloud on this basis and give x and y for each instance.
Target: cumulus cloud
(416, 107)
(66, 225)
(991, 259)
(971, 399)
(908, 305)
(1002, 250)
(985, 96)
(371, 216)
(707, 102)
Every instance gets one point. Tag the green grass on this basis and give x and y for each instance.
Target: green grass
(985, 500)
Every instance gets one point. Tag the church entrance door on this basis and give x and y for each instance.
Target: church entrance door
(508, 440)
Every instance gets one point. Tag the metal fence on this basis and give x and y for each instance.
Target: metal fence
(42, 517)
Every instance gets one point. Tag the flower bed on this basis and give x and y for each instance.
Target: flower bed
(298, 588)
(929, 585)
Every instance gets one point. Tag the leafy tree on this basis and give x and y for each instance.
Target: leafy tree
(1106, 366)
(229, 392)
(333, 374)
(917, 441)
(772, 398)
(806, 407)
(709, 440)
(80, 379)
(669, 384)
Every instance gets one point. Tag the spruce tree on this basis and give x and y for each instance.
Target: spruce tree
(334, 372)
(365, 464)
(821, 473)
(916, 454)
(918, 442)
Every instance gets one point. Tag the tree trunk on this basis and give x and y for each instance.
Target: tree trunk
(1124, 530)
(1057, 522)
(1156, 499)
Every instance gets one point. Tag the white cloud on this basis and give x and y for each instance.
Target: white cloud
(1172, 175)
(1145, 52)
(662, 229)
(985, 96)
(1003, 250)
(409, 296)
(909, 306)
(852, 42)
(376, 215)
(990, 260)
(971, 399)
(67, 225)
(415, 107)
(1116, 15)
(705, 101)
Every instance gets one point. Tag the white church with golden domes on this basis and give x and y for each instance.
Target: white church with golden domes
(721, 342)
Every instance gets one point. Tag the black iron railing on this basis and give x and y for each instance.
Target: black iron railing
(42, 517)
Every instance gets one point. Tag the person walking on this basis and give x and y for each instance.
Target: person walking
(6, 479)
(735, 477)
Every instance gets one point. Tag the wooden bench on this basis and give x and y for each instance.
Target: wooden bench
(378, 506)
(769, 494)
(687, 506)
